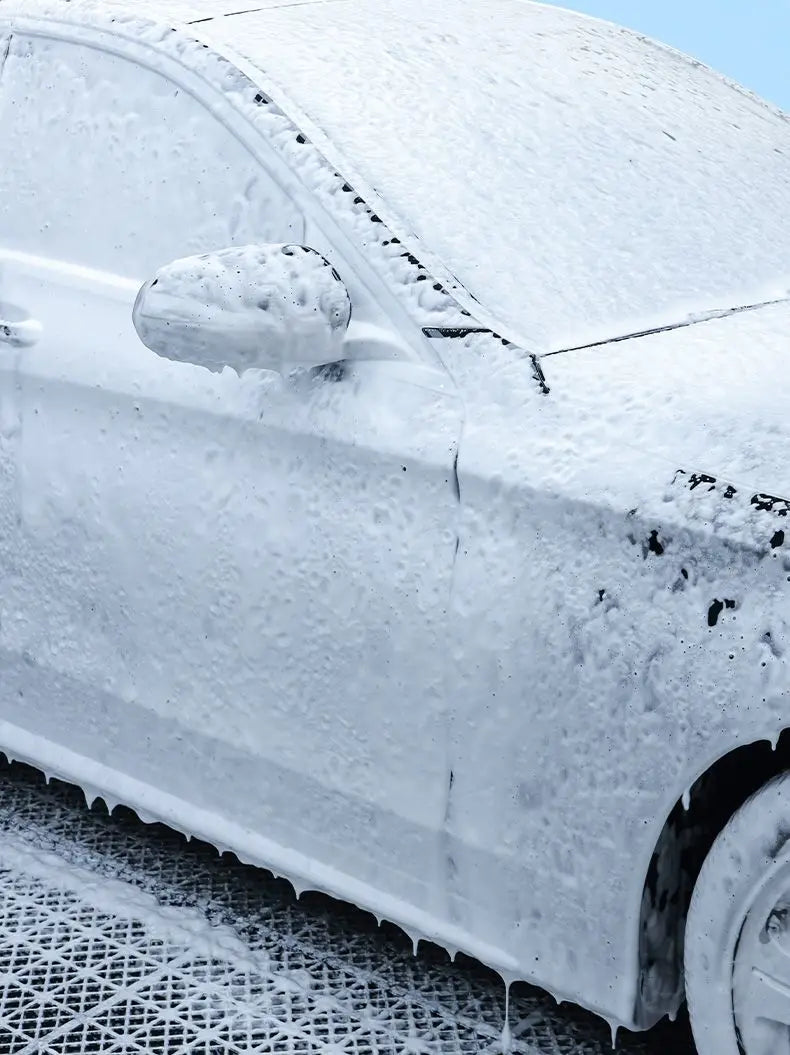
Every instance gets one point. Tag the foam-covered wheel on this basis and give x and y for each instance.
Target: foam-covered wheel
(738, 933)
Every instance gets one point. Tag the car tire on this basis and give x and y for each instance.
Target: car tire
(737, 950)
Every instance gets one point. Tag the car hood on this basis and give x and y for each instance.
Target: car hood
(575, 178)
(711, 397)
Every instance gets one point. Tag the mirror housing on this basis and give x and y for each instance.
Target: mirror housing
(248, 307)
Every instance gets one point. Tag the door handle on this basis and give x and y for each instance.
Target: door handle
(17, 328)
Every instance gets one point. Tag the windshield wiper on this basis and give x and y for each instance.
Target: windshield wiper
(693, 320)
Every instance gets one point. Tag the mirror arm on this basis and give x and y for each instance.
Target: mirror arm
(366, 341)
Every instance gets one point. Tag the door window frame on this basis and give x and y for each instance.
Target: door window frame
(373, 301)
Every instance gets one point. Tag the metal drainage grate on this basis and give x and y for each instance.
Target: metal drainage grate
(121, 937)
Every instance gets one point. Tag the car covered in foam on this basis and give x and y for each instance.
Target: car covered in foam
(394, 472)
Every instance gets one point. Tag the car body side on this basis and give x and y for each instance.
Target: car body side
(583, 686)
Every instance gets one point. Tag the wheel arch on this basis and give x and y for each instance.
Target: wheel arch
(690, 828)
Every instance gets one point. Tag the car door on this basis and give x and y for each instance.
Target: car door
(229, 589)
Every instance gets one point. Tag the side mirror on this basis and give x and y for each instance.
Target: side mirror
(255, 306)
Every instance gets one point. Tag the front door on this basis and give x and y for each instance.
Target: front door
(230, 590)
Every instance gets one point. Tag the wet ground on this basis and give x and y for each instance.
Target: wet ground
(117, 936)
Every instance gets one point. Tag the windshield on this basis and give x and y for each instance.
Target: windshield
(578, 180)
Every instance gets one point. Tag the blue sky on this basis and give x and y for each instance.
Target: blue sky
(749, 40)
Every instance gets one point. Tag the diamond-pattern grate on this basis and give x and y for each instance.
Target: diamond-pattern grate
(114, 939)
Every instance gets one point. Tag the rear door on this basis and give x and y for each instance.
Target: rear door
(230, 590)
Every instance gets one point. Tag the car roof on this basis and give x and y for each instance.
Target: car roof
(578, 180)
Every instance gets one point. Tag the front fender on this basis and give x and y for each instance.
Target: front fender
(615, 625)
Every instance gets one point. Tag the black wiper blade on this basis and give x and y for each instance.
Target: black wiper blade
(694, 320)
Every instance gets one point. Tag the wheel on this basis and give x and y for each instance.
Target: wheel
(737, 956)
